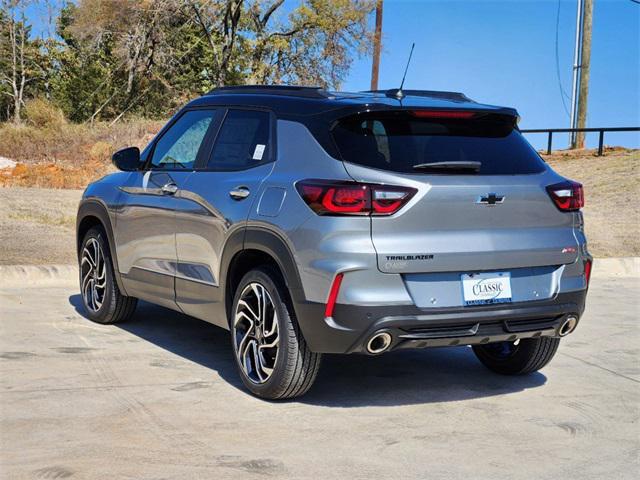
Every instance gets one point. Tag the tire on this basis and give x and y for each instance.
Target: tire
(511, 358)
(101, 297)
(290, 369)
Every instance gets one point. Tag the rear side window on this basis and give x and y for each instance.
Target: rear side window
(243, 141)
(398, 141)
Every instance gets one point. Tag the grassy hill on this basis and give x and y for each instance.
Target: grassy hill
(612, 188)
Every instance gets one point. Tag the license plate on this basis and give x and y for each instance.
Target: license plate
(486, 288)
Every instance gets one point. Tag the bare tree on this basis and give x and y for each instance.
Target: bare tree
(309, 45)
(22, 53)
(219, 22)
(314, 44)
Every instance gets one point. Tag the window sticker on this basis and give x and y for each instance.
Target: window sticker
(258, 152)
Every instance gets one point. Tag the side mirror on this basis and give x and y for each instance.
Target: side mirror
(127, 159)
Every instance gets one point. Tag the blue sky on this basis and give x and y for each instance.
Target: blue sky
(503, 52)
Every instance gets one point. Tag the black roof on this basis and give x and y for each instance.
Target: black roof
(295, 101)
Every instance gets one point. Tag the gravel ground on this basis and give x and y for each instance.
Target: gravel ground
(37, 225)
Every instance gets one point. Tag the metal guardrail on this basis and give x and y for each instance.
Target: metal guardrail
(551, 131)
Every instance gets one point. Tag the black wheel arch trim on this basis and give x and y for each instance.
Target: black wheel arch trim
(269, 242)
(96, 208)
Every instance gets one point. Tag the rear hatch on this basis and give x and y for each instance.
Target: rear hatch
(480, 202)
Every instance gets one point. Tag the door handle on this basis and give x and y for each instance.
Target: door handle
(169, 188)
(239, 193)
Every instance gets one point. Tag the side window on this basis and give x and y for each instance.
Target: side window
(243, 141)
(380, 134)
(178, 147)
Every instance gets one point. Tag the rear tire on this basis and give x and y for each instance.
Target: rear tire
(511, 358)
(272, 356)
(101, 297)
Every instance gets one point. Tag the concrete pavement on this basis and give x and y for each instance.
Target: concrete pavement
(159, 397)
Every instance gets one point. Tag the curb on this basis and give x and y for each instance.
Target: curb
(59, 275)
(37, 275)
(616, 267)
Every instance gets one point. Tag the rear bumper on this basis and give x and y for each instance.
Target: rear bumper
(350, 328)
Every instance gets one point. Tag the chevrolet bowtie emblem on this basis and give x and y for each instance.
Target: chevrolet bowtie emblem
(490, 199)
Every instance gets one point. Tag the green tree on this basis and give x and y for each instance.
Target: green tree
(82, 85)
(137, 56)
(147, 57)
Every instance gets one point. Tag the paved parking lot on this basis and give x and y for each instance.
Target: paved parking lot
(158, 397)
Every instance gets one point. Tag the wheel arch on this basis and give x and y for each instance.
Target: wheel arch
(258, 246)
(92, 213)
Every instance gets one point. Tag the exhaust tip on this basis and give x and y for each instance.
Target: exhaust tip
(379, 343)
(568, 326)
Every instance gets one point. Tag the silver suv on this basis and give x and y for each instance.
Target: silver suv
(310, 222)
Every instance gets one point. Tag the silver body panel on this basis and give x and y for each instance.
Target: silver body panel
(437, 290)
(445, 220)
(202, 232)
(144, 234)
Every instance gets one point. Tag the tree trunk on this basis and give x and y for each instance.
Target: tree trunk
(13, 38)
(231, 19)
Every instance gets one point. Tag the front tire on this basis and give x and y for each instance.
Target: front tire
(102, 299)
(517, 358)
(272, 356)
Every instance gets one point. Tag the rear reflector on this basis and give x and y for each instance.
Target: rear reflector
(333, 295)
(568, 196)
(446, 114)
(326, 197)
(587, 270)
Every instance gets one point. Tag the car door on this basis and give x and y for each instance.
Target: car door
(146, 219)
(222, 190)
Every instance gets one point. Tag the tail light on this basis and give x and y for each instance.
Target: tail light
(444, 114)
(568, 196)
(327, 197)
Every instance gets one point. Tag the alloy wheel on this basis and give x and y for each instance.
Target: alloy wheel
(255, 333)
(93, 271)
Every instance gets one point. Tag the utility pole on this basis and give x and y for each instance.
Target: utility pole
(377, 40)
(581, 63)
(576, 72)
(583, 89)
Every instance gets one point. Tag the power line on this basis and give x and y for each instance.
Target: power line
(563, 94)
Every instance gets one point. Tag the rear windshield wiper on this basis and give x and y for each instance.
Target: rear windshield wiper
(473, 167)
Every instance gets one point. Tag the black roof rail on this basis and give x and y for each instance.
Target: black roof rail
(286, 90)
(455, 96)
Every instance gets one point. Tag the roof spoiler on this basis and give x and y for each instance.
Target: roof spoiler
(469, 112)
(454, 96)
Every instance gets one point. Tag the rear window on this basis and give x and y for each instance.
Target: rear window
(397, 141)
